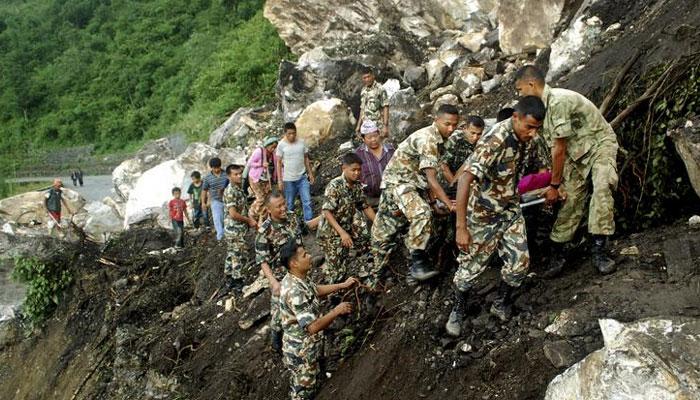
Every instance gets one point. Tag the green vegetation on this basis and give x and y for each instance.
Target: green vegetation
(9, 189)
(45, 286)
(114, 73)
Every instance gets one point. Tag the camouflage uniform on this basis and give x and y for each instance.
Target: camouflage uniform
(591, 150)
(457, 150)
(494, 219)
(299, 307)
(373, 99)
(347, 204)
(272, 235)
(235, 231)
(403, 200)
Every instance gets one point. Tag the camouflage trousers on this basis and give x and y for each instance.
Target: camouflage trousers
(399, 206)
(302, 360)
(236, 254)
(601, 210)
(275, 317)
(504, 234)
(337, 266)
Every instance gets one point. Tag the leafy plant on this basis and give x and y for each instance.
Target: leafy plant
(45, 286)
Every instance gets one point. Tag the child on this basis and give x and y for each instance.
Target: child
(302, 322)
(195, 192)
(342, 225)
(178, 213)
(236, 223)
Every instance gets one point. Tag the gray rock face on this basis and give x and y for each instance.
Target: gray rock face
(574, 46)
(405, 115)
(527, 25)
(686, 138)
(415, 76)
(151, 154)
(560, 353)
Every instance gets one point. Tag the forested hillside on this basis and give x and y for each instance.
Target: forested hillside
(115, 72)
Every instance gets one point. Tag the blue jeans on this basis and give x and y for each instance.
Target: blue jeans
(303, 188)
(217, 214)
(199, 217)
(179, 228)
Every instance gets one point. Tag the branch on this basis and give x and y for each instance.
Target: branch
(607, 101)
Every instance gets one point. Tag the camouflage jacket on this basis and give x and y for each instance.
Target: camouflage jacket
(234, 197)
(299, 307)
(572, 116)
(372, 100)
(496, 162)
(421, 150)
(344, 201)
(270, 238)
(457, 150)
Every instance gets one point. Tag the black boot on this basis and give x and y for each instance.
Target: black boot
(276, 341)
(557, 260)
(459, 308)
(420, 267)
(599, 252)
(501, 306)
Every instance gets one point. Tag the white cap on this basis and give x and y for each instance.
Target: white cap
(368, 126)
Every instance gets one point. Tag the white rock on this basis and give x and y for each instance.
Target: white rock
(391, 86)
(492, 84)
(346, 147)
(473, 41)
(573, 47)
(102, 221)
(27, 207)
(125, 175)
(694, 221)
(232, 130)
(472, 85)
(439, 92)
(630, 251)
(527, 25)
(436, 70)
(322, 120)
(445, 99)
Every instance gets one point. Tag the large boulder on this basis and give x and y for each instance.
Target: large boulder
(650, 359)
(242, 129)
(324, 119)
(686, 138)
(405, 114)
(100, 221)
(573, 46)
(149, 197)
(527, 25)
(151, 154)
(29, 207)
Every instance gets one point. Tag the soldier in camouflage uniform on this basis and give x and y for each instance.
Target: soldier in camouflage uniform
(236, 223)
(458, 147)
(279, 228)
(374, 104)
(494, 221)
(344, 223)
(301, 319)
(583, 145)
(408, 177)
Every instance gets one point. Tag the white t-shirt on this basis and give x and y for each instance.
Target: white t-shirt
(292, 156)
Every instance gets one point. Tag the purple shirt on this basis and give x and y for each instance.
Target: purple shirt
(373, 167)
(255, 162)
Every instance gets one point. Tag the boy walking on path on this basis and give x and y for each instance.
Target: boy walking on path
(53, 199)
(294, 174)
(488, 210)
(344, 224)
(178, 213)
(236, 224)
(199, 215)
(212, 195)
(302, 321)
(280, 227)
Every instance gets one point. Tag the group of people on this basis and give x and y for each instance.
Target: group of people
(77, 177)
(450, 174)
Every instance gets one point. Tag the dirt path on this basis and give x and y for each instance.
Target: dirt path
(95, 187)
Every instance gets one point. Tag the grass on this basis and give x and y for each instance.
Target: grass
(9, 189)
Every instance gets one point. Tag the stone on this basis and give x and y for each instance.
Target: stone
(256, 287)
(346, 147)
(471, 85)
(630, 251)
(650, 359)
(570, 322)
(405, 114)
(680, 253)
(28, 207)
(10, 333)
(468, 79)
(125, 175)
(437, 71)
(445, 99)
(439, 92)
(450, 51)
(243, 128)
(685, 135)
(527, 25)
(415, 76)
(391, 86)
(493, 68)
(474, 40)
(492, 84)
(323, 120)
(694, 221)
(100, 221)
(560, 353)
(573, 47)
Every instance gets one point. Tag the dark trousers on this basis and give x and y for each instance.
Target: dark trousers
(200, 217)
(179, 228)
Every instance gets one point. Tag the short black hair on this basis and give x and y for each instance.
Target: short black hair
(530, 72)
(532, 106)
(215, 162)
(288, 126)
(196, 175)
(504, 114)
(351, 158)
(447, 109)
(233, 167)
(366, 70)
(287, 252)
(176, 190)
(273, 195)
(475, 120)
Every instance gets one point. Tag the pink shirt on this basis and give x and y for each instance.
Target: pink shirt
(532, 182)
(255, 162)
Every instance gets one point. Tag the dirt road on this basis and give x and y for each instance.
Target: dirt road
(95, 187)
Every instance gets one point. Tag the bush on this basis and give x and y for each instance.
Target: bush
(45, 286)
